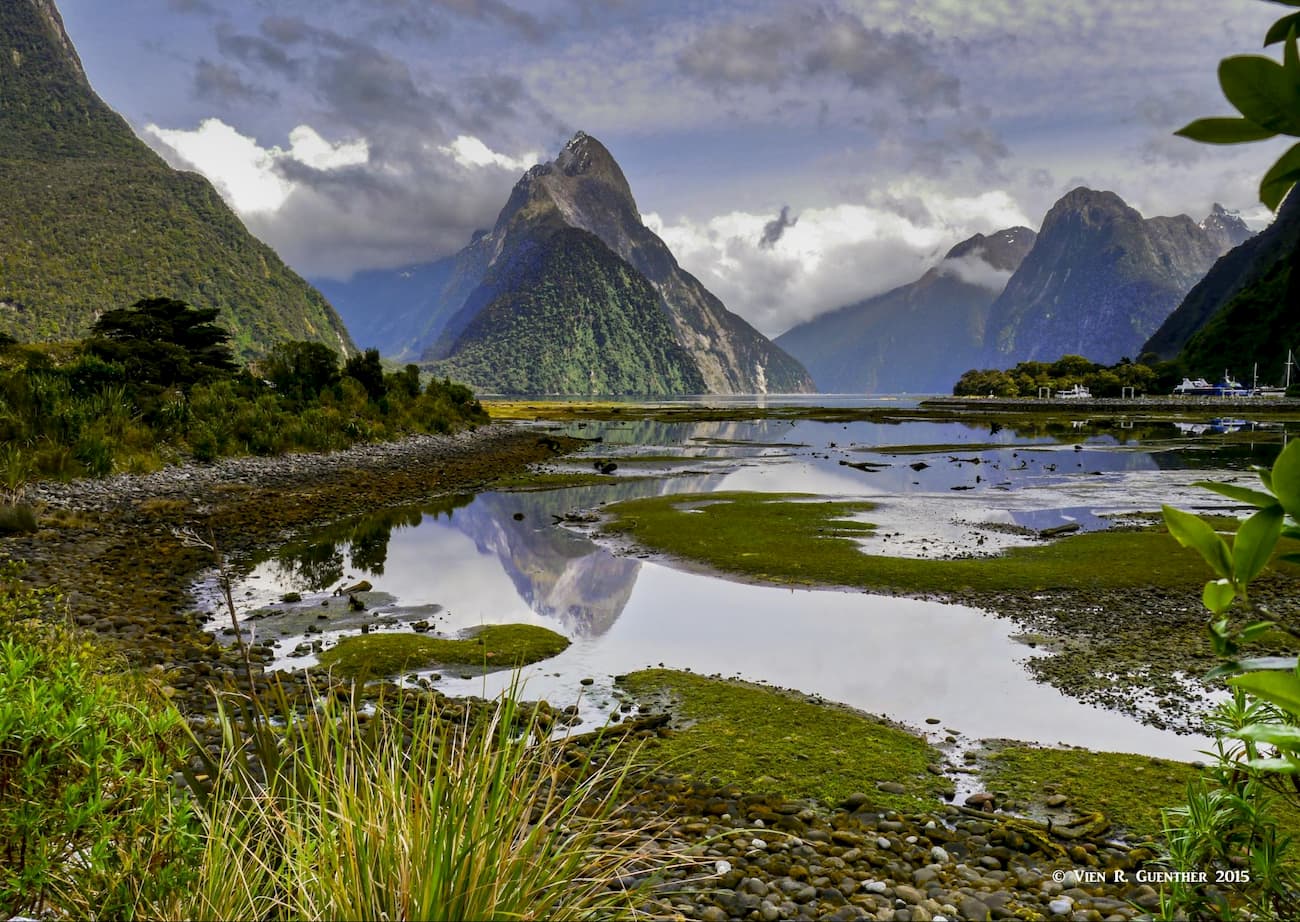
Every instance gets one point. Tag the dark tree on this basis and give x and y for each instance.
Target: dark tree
(301, 370)
(366, 369)
(163, 342)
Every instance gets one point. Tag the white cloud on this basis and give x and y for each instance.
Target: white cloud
(834, 255)
(246, 173)
(973, 270)
(306, 146)
(468, 150)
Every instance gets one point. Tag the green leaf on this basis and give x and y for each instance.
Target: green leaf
(1286, 472)
(1194, 532)
(1280, 688)
(1218, 595)
(1262, 90)
(1250, 664)
(1290, 558)
(1263, 663)
(1265, 477)
(1274, 734)
(1224, 131)
(1254, 544)
(1279, 31)
(1258, 629)
(1257, 498)
(1280, 178)
(1282, 766)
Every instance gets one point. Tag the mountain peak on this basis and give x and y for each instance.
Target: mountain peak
(1226, 227)
(585, 157)
(1004, 249)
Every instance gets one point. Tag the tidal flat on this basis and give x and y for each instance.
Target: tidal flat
(931, 586)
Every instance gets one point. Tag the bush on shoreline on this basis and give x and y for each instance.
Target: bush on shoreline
(1102, 380)
(154, 384)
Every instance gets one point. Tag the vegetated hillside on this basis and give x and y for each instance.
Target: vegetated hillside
(571, 317)
(919, 337)
(1099, 281)
(1246, 310)
(582, 188)
(91, 219)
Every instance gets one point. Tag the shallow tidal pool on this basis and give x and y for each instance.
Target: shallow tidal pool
(942, 488)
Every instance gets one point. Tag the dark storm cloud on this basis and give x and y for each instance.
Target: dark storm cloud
(773, 229)
(825, 44)
(338, 221)
(411, 200)
(257, 51)
(872, 59)
(739, 53)
(201, 7)
(224, 85)
(526, 24)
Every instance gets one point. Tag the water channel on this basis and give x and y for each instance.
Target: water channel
(943, 488)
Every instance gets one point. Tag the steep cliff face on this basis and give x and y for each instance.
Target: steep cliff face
(582, 189)
(91, 219)
(585, 188)
(570, 317)
(1098, 281)
(1246, 311)
(920, 337)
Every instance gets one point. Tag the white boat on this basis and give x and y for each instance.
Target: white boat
(1271, 391)
(1078, 392)
(1194, 387)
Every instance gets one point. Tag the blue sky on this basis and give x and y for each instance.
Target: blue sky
(354, 134)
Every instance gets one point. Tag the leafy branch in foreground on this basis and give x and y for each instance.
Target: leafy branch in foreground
(1230, 821)
(1267, 94)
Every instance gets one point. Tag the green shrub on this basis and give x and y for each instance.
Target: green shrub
(89, 824)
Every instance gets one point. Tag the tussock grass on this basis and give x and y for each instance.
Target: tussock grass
(407, 814)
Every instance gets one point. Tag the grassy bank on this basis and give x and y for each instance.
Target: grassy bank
(497, 646)
(797, 539)
(771, 741)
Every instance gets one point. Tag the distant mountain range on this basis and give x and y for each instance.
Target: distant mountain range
(1101, 279)
(568, 293)
(92, 219)
(912, 338)
(1096, 280)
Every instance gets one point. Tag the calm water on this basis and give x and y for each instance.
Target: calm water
(501, 558)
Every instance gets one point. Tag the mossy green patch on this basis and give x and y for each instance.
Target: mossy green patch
(770, 741)
(497, 646)
(791, 538)
(1129, 790)
(527, 481)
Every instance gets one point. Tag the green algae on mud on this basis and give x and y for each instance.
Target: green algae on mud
(1129, 790)
(801, 539)
(770, 740)
(497, 646)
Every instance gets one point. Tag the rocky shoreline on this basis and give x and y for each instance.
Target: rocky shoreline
(115, 548)
(766, 858)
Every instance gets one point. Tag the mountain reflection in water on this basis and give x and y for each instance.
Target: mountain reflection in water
(559, 574)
